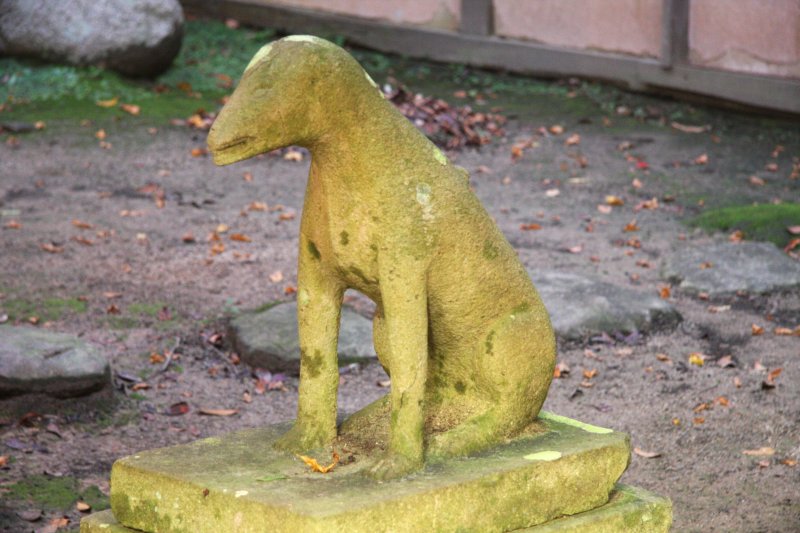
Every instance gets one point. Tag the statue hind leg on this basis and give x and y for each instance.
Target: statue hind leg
(514, 363)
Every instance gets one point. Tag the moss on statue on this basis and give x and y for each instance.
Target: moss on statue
(459, 326)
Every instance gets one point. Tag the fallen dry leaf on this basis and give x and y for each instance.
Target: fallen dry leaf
(198, 152)
(789, 462)
(240, 237)
(131, 109)
(83, 506)
(140, 386)
(276, 277)
(685, 128)
(637, 183)
(697, 358)
(663, 357)
(573, 139)
(589, 374)
(794, 230)
(578, 248)
(51, 248)
(177, 409)
(706, 265)
(3, 460)
(286, 216)
(755, 329)
(764, 451)
(218, 412)
(188, 238)
(664, 292)
(13, 224)
(530, 227)
(561, 369)
(631, 226)
(316, 467)
(556, 129)
(81, 224)
(701, 159)
(784, 331)
(614, 200)
(289, 289)
(646, 455)
(699, 420)
(772, 167)
(257, 206)
(736, 236)
(755, 180)
(552, 193)
(111, 102)
(100, 134)
(725, 361)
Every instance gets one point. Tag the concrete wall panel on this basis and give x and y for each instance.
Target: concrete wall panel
(620, 26)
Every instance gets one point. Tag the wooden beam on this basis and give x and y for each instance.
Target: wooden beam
(477, 17)
(674, 33)
(781, 94)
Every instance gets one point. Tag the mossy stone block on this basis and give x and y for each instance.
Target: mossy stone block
(238, 482)
(628, 509)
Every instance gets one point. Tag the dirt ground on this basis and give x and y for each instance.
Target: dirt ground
(134, 261)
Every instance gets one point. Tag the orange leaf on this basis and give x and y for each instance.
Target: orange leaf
(755, 329)
(556, 129)
(589, 374)
(240, 237)
(316, 467)
(664, 292)
(156, 358)
(3, 460)
(80, 224)
(723, 401)
(198, 152)
(530, 227)
(736, 236)
(701, 159)
(760, 452)
(614, 200)
(13, 224)
(631, 226)
(289, 289)
(783, 331)
(286, 216)
(130, 108)
(573, 140)
(699, 420)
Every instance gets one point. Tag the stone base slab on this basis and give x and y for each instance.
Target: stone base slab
(628, 509)
(238, 482)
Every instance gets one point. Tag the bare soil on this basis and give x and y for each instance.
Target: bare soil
(699, 419)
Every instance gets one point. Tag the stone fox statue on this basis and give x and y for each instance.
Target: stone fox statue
(459, 326)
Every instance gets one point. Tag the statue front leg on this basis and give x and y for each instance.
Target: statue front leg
(319, 303)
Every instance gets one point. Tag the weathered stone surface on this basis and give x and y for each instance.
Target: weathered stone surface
(628, 509)
(238, 482)
(580, 306)
(57, 364)
(269, 339)
(726, 268)
(136, 38)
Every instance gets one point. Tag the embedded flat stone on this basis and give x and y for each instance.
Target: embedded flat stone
(34, 360)
(581, 306)
(723, 269)
(628, 509)
(238, 482)
(269, 339)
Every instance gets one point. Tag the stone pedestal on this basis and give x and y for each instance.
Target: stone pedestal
(558, 476)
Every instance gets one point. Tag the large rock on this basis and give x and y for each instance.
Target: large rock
(580, 306)
(57, 364)
(134, 37)
(269, 339)
(239, 482)
(724, 269)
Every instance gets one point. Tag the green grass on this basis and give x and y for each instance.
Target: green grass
(48, 309)
(765, 222)
(56, 493)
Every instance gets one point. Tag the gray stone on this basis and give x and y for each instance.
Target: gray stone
(57, 364)
(269, 339)
(723, 269)
(134, 37)
(580, 306)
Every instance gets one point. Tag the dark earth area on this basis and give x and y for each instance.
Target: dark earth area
(116, 226)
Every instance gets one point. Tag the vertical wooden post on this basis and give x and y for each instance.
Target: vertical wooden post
(477, 17)
(674, 33)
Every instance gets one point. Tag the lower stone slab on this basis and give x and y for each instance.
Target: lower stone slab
(238, 482)
(628, 509)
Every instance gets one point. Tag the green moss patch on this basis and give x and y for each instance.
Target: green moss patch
(765, 222)
(58, 493)
(47, 309)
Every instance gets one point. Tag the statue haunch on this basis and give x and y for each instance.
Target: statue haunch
(459, 326)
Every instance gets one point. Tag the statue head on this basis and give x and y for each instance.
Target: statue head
(287, 96)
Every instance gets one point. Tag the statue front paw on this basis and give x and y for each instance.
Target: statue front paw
(302, 438)
(394, 466)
